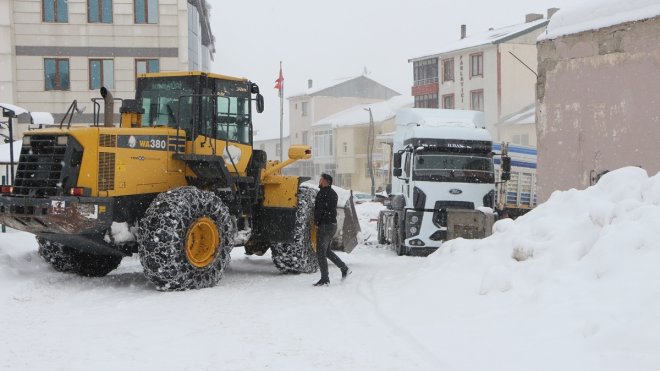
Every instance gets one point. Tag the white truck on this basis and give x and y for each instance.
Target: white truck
(442, 161)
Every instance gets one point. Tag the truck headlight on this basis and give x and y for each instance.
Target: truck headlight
(414, 219)
(413, 230)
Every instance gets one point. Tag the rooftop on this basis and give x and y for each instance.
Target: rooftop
(490, 37)
(359, 115)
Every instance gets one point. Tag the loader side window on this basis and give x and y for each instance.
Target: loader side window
(233, 119)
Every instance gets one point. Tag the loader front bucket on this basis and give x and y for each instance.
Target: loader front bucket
(346, 237)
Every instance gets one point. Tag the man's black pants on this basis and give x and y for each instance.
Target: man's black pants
(324, 235)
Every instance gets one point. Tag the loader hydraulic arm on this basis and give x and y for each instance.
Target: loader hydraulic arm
(296, 152)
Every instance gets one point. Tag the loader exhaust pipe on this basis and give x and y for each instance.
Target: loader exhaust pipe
(108, 108)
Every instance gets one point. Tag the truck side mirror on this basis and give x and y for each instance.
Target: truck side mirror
(506, 168)
(397, 161)
(397, 171)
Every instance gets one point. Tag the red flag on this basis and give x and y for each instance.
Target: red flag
(279, 83)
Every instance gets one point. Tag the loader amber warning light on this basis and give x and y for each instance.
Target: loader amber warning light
(7, 189)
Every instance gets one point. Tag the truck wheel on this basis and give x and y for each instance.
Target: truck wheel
(70, 260)
(398, 245)
(185, 239)
(299, 256)
(381, 230)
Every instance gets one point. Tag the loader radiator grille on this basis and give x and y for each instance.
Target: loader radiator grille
(106, 140)
(106, 171)
(39, 172)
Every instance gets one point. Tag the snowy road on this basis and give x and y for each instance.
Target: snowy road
(255, 319)
(573, 285)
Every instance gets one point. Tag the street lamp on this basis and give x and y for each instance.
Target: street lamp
(370, 150)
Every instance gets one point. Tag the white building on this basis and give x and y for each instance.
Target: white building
(492, 71)
(53, 52)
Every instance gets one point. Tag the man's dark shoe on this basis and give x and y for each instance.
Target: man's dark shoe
(345, 272)
(322, 282)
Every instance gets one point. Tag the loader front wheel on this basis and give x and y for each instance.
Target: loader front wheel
(185, 239)
(69, 260)
(299, 256)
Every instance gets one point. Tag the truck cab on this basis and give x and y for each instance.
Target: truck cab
(442, 160)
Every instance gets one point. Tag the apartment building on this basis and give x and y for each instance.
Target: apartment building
(317, 103)
(493, 72)
(55, 51)
(348, 137)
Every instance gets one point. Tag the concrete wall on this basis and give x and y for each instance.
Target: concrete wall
(517, 82)
(598, 104)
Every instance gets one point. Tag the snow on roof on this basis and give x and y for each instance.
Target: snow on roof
(42, 118)
(358, 115)
(440, 117)
(526, 115)
(595, 14)
(17, 110)
(4, 152)
(484, 38)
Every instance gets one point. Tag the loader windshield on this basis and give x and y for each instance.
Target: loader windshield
(453, 168)
(167, 102)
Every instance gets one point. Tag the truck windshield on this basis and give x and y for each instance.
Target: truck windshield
(453, 168)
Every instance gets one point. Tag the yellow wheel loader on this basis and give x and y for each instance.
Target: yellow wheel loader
(175, 182)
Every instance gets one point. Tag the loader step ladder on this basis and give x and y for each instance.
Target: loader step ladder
(208, 168)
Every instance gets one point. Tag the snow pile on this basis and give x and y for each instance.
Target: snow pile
(593, 15)
(580, 275)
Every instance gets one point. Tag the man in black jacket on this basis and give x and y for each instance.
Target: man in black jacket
(325, 217)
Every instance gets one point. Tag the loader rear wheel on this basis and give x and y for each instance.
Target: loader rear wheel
(69, 260)
(299, 256)
(185, 239)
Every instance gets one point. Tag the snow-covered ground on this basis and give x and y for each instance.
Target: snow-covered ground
(573, 285)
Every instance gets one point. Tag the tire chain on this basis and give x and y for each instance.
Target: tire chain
(162, 236)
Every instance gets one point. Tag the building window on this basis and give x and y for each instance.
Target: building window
(477, 64)
(55, 11)
(522, 139)
(426, 101)
(448, 69)
(305, 108)
(56, 74)
(99, 11)
(477, 100)
(448, 101)
(345, 147)
(146, 66)
(322, 143)
(146, 11)
(425, 72)
(101, 73)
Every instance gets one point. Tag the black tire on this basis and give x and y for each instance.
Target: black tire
(163, 234)
(396, 238)
(381, 230)
(69, 260)
(299, 256)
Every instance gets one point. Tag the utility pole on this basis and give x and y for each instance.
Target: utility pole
(370, 150)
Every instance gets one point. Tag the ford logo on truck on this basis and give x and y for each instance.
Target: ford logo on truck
(455, 191)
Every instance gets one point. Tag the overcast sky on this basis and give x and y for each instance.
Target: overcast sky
(328, 40)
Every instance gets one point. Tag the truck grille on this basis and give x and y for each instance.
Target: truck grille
(39, 172)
